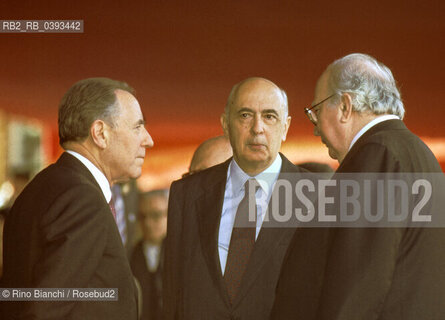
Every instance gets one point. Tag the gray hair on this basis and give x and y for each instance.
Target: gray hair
(86, 101)
(236, 87)
(369, 82)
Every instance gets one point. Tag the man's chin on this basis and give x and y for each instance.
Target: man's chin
(257, 157)
(332, 154)
(134, 174)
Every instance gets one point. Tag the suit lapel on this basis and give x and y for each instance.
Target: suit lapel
(208, 210)
(268, 241)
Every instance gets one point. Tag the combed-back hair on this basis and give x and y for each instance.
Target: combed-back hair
(86, 101)
(369, 82)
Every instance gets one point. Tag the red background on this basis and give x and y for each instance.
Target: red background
(183, 58)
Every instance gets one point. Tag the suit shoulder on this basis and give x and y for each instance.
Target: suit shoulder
(391, 150)
(288, 167)
(56, 180)
(392, 134)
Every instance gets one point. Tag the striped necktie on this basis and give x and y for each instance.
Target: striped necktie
(241, 241)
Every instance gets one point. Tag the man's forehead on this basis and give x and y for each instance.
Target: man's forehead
(123, 97)
(126, 99)
(152, 213)
(322, 83)
(129, 106)
(266, 99)
(256, 87)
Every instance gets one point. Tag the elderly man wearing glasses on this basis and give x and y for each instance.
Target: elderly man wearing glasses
(373, 272)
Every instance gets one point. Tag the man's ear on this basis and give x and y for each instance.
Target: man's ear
(99, 132)
(346, 108)
(224, 124)
(286, 128)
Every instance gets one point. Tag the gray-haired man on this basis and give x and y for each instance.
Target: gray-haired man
(365, 273)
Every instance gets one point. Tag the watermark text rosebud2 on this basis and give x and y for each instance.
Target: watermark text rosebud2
(361, 200)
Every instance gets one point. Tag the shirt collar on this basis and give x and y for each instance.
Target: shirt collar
(97, 174)
(266, 179)
(371, 124)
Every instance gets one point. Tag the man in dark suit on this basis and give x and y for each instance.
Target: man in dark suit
(147, 259)
(374, 272)
(210, 273)
(61, 232)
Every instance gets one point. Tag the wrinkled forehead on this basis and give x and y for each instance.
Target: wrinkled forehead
(128, 108)
(123, 96)
(258, 93)
(322, 87)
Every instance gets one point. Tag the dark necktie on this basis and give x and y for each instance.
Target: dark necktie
(241, 242)
(112, 208)
(119, 211)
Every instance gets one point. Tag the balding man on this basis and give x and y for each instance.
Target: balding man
(210, 153)
(376, 271)
(216, 267)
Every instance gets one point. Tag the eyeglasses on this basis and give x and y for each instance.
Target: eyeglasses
(313, 115)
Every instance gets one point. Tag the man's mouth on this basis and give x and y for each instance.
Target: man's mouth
(256, 146)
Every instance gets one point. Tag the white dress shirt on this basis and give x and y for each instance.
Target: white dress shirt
(371, 124)
(234, 193)
(97, 174)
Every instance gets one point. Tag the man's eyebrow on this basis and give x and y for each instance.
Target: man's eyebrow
(245, 110)
(140, 122)
(265, 111)
(270, 111)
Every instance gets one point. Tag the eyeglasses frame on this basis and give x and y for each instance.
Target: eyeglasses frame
(310, 114)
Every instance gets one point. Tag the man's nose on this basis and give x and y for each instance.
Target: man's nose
(258, 125)
(147, 142)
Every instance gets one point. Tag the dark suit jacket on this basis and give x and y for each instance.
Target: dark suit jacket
(369, 273)
(194, 287)
(151, 282)
(60, 233)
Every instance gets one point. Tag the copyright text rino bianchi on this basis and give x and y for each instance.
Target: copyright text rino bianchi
(58, 294)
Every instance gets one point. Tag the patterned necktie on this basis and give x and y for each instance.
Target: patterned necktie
(241, 242)
(119, 210)
(112, 208)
